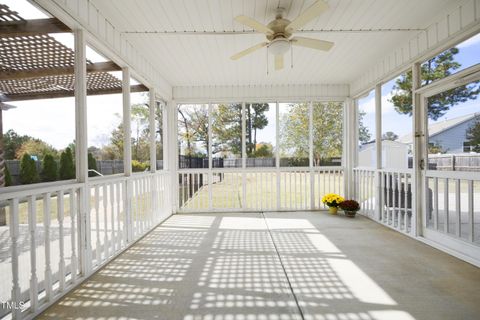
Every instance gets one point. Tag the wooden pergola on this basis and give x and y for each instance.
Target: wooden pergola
(34, 65)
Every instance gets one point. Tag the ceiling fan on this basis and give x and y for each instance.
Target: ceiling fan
(279, 33)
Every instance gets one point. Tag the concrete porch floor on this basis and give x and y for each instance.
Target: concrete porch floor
(276, 266)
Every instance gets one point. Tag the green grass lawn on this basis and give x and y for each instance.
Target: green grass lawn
(261, 191)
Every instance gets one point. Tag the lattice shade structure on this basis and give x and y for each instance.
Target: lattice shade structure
(34, 65)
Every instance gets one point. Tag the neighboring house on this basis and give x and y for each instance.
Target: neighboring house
(449, 135)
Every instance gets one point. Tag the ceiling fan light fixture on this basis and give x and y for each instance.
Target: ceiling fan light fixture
(279, 46)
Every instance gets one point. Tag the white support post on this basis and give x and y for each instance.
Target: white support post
(310, 155)
(152, 129)
(419, 147)
(81, 151)
(127, 151)
(277, 151)
(165, 135)
(349, 146)
(378, 144)
(172, 154)
(244, 157)
(210, 163)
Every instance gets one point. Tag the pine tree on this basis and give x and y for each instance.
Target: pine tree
(49, 168)
(8, 177)
(67, 168)
(28, 170)
(434, 69)
(92, 164)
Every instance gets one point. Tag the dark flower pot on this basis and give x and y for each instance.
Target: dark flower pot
(350, 214)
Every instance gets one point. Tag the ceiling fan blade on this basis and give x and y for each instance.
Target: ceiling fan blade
(248, 51)
(254, 24)
(312, 43)
(279, 62)
(312, 12)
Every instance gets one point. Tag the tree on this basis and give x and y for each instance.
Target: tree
(12, 142)
(28, 170)
(140, 140)
(263, 150)
(92, 164)
(327, 131)
(49, 168)
(8, 177)
(436, 68)
(434, 148)
(67, 167)
(227, 129)
(389, 135)
(364, 135)
(35, 147)
(255, 120)
(473, 136)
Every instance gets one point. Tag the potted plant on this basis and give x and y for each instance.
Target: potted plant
(350, 207)
(332, 200)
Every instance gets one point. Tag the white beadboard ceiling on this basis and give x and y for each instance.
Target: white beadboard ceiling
(203, 60)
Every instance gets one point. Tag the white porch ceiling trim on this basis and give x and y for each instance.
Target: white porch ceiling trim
(103, 34)
(261, 93)
(456, 25)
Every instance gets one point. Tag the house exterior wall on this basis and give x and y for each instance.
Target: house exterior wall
(452, 139)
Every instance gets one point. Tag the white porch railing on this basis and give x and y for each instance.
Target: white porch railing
(453, 205)
(256, 189)
(57, 235)
(392, 190)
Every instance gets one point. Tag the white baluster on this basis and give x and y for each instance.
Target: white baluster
(98, 252)
(118, 239)
(46, 222)
(446, 225)
(60, 217)
(14, 234)
(32, 227)
(105, 220)
(73, 215)
(112, 219)
(458, 212)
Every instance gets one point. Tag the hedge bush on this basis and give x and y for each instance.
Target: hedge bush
(8, 177)
(28, 170)
(67, 167)
(49, 168)
(138, 166)
(92, 164)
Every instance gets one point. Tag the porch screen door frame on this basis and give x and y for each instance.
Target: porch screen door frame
(446, 241)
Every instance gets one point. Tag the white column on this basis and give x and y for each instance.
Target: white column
(127, 151)
(419, 148)
(244, 157)
(349, 146)
(277, 150)
(172, 151)
(81, 150)
(127, 114)
(165, 135)
(210, 164)
(310, 155)
(153, 132)
(378, 144)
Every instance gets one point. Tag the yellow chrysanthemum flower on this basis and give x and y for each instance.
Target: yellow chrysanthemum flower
(332, 199)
